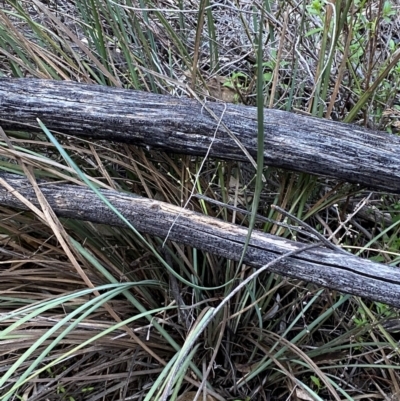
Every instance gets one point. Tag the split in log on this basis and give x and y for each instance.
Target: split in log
(317, 146)
(325, 267)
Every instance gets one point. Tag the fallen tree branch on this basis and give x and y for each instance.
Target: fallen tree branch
(322, 266)
(182, 125)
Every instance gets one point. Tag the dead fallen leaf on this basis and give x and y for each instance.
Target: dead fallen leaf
(219, 91)
(300, 393)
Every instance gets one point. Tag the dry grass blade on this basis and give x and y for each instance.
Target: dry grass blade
(275, 338)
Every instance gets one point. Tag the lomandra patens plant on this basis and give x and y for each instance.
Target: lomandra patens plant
(75, 318)
(271, 337)
(212, 313)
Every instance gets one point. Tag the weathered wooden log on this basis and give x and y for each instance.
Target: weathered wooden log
(182, 125)
(325, 267)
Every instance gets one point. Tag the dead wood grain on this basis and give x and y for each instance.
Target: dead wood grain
(322, 266)
(317, 146)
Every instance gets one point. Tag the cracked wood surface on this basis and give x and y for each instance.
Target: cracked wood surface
(322, 266)
(296, 142)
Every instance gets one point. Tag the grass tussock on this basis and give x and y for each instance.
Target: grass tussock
(93, 312)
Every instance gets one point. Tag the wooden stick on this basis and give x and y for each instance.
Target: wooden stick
(322, 266)
(296, 142)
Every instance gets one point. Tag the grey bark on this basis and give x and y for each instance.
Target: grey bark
(325, 267)
(182, 125)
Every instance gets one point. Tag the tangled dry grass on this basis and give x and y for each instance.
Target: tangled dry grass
(89, 313)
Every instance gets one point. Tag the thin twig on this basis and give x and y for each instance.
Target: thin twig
(197, 174)
(310, 229)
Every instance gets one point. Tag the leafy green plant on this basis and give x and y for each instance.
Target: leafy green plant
(315, 380)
